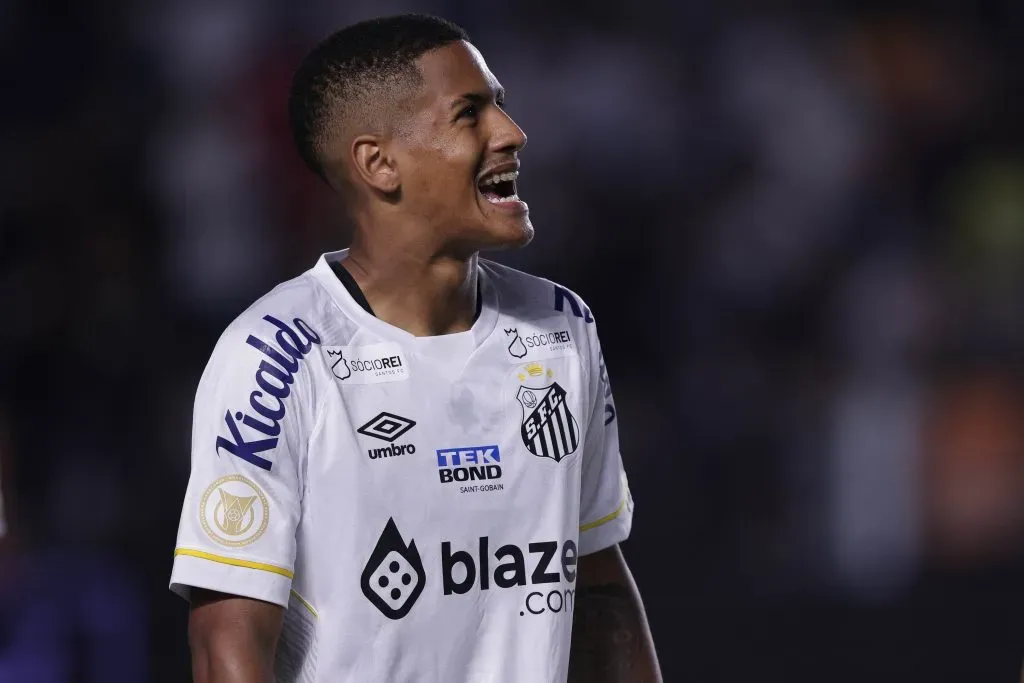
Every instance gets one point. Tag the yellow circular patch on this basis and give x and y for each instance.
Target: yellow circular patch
(233, 511)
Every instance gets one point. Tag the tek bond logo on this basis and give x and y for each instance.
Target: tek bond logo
(473, 463)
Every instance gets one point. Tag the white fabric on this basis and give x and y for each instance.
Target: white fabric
(336, 458)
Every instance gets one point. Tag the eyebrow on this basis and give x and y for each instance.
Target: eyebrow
(480, 98)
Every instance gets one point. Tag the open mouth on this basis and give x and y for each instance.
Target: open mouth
(499, 188)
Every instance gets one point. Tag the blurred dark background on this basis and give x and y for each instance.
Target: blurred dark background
(800, 227)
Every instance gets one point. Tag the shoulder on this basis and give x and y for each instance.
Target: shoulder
(281, 328)
(295, 303)
(535, 305)
(532, 297)
(257, 387)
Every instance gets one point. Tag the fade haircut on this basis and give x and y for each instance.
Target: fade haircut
(355, 75)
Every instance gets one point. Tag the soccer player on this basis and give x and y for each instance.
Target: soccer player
(405, 461)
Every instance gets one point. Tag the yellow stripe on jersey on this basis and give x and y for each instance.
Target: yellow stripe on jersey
(305, 603)
(607, 518)
(274, 569)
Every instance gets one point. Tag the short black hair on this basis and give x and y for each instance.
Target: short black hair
(349, 68)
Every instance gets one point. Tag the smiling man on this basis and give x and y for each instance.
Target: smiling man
(405, 461)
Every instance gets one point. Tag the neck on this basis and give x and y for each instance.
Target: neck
(425, 294)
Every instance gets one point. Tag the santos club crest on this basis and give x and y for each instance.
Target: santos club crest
(549, 429)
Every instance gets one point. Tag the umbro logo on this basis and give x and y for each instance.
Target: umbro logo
(388, 427)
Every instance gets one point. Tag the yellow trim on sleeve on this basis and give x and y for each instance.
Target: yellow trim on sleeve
(273, 569)
(305, 603)
(606, 518)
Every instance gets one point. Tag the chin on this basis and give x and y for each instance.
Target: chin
(509, 234)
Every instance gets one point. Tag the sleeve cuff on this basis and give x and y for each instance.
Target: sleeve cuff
(606, 531)
(245, 578)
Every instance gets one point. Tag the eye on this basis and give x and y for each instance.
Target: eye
(468, 112)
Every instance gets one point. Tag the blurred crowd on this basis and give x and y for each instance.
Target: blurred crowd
(800, 229)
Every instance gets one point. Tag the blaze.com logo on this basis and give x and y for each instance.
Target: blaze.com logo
(393, 578)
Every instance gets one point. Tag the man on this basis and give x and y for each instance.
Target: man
(405, 461)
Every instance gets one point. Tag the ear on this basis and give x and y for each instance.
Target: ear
(373, 164)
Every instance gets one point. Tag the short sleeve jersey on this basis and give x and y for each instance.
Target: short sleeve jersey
(417, 504)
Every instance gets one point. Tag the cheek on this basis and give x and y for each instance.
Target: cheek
(443, 175)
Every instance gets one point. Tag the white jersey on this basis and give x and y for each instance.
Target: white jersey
(418, 504)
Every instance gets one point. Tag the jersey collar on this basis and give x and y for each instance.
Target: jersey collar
(354, 304)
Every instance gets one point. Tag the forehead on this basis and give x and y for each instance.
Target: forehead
(454, 70)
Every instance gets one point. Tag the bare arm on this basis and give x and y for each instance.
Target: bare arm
(611, 642)
(232, 639)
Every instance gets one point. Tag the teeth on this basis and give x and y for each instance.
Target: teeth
(503, 200)
(499, 178)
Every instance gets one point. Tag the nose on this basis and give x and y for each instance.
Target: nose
(508, 137)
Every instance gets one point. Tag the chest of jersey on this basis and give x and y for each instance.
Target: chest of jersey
(449, 487)
(493, 432)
